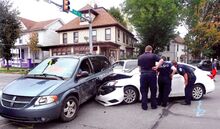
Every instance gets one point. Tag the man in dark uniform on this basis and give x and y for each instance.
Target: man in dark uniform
(148, 77)
(189, 78)
(166, 72)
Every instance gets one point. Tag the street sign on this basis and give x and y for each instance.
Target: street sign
(77, 13)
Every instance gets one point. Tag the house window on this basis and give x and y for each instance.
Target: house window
(94, 35)
(108, 34)
(123, 37)
(126, 39)
(20, 40)
(37, 55)
(118, 35)
(64, 38)
(75, 37)
(168, 58)
(177, 48)
(168, 47)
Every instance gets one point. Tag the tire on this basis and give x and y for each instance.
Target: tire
(69, 109)
(130, 95)
(197, 92)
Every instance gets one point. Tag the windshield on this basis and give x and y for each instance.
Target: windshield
(62, 67)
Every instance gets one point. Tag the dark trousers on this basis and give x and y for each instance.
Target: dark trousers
(188, 90)
(164, 90)
(148, 80)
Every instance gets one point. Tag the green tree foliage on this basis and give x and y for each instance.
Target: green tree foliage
(33, 41)
(116, 13)
(9, 29)
(154, 21)
(203, 20)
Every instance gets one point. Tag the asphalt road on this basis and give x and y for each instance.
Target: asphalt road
(203, 114)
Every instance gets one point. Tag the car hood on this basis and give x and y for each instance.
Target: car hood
(31, 87)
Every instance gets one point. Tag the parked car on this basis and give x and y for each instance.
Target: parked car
(54, 89)
(127, 88)
(207, 65)
(124, 65)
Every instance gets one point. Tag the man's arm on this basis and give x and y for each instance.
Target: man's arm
(186, 79)
(158, 65)
(174, 71)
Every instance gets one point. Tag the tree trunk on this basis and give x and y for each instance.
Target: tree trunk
(7, 65)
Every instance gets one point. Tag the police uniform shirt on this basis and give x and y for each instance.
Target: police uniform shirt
(146, 61)
(182, 69)
(165, 69)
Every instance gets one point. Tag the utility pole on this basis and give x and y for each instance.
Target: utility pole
(90, 33)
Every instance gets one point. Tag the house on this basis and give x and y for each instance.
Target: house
(46, 34)
(109, 37)
(176, 50)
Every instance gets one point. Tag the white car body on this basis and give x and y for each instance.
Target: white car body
(117, 96)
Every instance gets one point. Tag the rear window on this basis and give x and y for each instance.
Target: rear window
(131, 64)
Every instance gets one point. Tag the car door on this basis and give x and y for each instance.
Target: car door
(87, 83)
(101, 66)
(177, 86)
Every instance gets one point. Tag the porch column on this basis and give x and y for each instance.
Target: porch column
(20, 55)
(29, 53)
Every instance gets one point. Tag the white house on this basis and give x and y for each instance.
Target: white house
(109, 37)
(47, 35)
(176, 50)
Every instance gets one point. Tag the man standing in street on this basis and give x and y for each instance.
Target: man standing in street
(166, 72)
(148, 77)
(189, 79)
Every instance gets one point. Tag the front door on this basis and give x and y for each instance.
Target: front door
(86, 83)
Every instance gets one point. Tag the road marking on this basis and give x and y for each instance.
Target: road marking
(199, 111)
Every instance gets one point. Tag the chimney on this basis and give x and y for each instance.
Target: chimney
(95, 6)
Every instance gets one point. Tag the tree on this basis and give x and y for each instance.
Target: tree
(33, 41)
(154, 21)
(203, 20)
(9, 29)
(116, 13)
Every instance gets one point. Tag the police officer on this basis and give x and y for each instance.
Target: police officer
(166, 72)
(189, 78)
(148, 78)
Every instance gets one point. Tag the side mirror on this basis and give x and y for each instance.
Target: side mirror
(82, 74)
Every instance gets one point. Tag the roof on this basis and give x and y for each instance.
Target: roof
(179, 40)
(103, 19)
(33, 25)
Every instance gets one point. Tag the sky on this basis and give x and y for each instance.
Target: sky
(39, 10)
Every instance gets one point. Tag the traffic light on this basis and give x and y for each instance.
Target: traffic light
(66, 7)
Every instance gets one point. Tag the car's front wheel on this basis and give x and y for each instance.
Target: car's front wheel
(197, 92)
(69, 109)
(130, 95)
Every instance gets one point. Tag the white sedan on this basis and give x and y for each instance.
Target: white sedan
(125, 87)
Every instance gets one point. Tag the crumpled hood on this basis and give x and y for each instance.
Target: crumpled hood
(31, 87)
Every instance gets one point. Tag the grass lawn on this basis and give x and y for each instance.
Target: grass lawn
(13, 70)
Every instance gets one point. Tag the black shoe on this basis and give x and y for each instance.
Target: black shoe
(144, 107)
(164, 105)
(158, 103)
(154, 107)
(185, 103)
